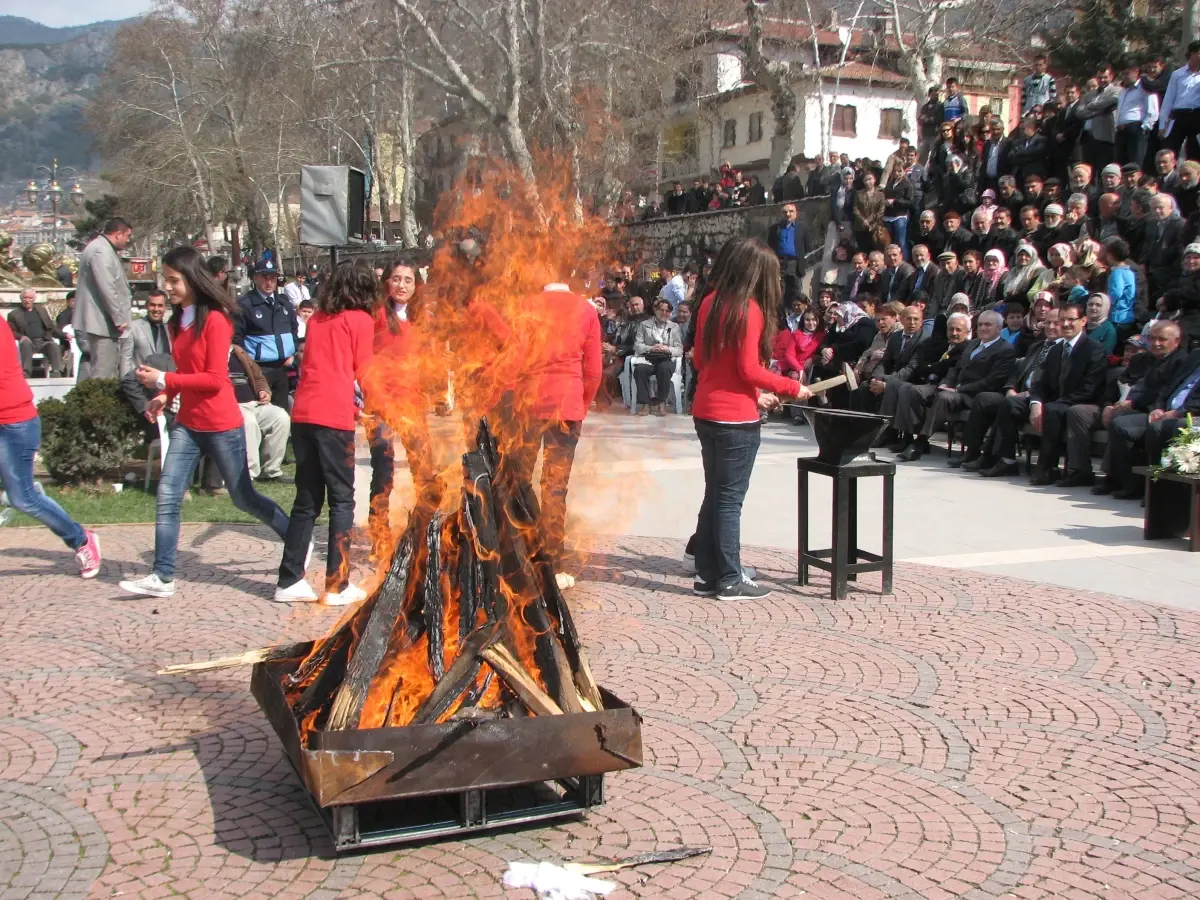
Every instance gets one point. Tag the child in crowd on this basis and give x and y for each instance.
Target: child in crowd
(339, 340)
(1014, 322)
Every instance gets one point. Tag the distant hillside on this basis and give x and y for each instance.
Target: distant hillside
(18, 32)
(46, 77)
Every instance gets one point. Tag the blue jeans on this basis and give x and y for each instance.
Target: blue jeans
(728, 453)
(227, 450)
(898, 226)
(18, 443)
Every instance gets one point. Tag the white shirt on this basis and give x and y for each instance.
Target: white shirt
(401, 311)
(982, 347)
(1135, 106)
(674, 291)
(1183, 92)
(297, 292)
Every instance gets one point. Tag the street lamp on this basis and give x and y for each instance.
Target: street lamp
(51, 190)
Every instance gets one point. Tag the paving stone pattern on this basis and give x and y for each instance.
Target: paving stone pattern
(968, 736)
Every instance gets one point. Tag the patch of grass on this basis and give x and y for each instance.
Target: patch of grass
(103, 506)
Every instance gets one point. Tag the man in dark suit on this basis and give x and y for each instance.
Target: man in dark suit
(1161, 245)
(1163, 390)
(917, 393)
(924, 274)
(894, 368)
(1064, 133)
(897, 277)
(36, 332)
(789, 185)
(1074, 372)
(792, 241)
(987, 404)
(985, 365)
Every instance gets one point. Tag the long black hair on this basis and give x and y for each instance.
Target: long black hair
(207, 294)
(352, 286)
(383, 300)
(745, 270)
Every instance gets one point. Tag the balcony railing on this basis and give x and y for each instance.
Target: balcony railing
(680, 167)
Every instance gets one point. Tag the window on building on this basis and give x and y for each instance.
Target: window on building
(845, 121)
(729, 133)
(756, 127)
(891, 123)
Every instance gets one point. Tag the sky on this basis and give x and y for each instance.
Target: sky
(59, 13)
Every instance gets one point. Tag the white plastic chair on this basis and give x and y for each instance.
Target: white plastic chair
(629, 388)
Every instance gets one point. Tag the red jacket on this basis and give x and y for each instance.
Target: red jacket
(728, 386)
(201, 376)
(793, 349)
(16, 399)
(564, 368)
(336, 351)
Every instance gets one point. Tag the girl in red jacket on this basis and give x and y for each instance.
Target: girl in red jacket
(388, 375)
(337, 346)
(733, 343)
(793, 349)
(209, 422)
(20, 437)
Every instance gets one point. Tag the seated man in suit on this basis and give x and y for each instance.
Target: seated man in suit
(881, 384)
(1074, 372)
(1129, 422)
(897, 277)
(916, 394)
(984, 365)
(987, 403)
(36, 332)
(147, 339)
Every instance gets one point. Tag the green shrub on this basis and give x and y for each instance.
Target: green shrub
(89, 433)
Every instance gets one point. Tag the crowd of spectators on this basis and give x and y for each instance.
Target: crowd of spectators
(1039, 284)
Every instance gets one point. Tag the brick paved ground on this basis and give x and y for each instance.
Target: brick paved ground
(969, 736)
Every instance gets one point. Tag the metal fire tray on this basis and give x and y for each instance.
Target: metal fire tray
(394, 785)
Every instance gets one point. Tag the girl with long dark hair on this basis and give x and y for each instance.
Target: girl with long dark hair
(394, 315)
(209, 422)
(338, 345)
(734, 333)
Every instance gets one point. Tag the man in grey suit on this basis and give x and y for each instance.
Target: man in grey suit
(880, 391)
(103, 302)
(148, 343)
(1099, 140)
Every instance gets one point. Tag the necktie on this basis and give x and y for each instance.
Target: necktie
(1064, 368)
(1037, 364)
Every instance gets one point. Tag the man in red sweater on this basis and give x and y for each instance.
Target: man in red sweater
(20, 437)
(563, 373)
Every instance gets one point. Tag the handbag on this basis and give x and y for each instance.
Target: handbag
(657, 356)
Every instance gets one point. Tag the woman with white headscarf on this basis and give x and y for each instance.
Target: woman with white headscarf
(1097, 325)
(1059, 258)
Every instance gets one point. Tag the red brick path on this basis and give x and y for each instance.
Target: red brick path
(969, 736)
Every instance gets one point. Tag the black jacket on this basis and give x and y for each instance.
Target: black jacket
(988, 371)
(935, 240)
(1026, 370)
(1184, 300)
(1084, 379)
(1192, 403)
(1161, 250)
(804, 240)
(1161, 380)
(897, 363)
(936, 360)
(897, 285)
(843, 215)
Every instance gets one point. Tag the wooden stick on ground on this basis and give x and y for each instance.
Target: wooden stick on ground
(249, 658)
(522, 684)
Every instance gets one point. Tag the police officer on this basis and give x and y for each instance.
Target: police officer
(266, 329)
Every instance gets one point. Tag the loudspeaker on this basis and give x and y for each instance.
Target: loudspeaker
(333, 206)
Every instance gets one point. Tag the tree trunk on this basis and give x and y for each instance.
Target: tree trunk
(783, 107)
(1191, 25)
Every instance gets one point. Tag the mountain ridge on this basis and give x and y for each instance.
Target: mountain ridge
(17, 31)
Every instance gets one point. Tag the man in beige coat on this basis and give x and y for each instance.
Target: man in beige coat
(103, 302)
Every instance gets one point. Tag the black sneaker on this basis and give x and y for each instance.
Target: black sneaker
(704, 588)
(744, 590)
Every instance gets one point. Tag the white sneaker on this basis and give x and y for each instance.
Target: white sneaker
(564, 580)
(351, 594)
(300, 592)
(150, 586)
(689, 563)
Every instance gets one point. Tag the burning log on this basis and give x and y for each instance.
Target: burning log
(368, 653)
(462, 674)
(433, 598)
(249, 658)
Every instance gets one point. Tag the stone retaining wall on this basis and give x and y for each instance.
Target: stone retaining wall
(683, 239)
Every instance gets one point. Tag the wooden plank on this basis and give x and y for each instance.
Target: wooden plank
(249, 658)
(433, 600)
(511, 671)
(460, 676)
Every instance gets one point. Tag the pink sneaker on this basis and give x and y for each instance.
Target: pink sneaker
(88, 556)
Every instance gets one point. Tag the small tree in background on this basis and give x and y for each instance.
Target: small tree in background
(1106, 31)
(96, 213)
(88, 434)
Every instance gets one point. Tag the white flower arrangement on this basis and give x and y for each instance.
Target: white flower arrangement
(1182, 454)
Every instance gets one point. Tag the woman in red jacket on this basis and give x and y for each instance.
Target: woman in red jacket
(20, 437)
(209, 422)
(390, 381)
(337, 347)
(733, 344)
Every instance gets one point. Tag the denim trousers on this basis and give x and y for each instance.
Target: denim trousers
(324, 465)
(226, 450)
(898, 226)
(728, 453)
(18, 443)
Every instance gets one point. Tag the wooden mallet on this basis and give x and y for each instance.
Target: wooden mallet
(847, 378)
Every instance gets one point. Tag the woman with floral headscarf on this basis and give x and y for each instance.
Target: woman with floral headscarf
(848, 332)
(1059, 258)
(1020, 277)
(994, 270)
(1097, 326)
